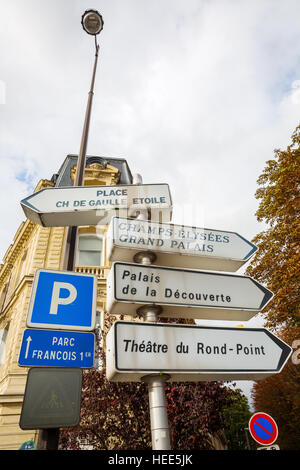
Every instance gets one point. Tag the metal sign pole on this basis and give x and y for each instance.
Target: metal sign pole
(79, 175)
(160, 432)
(49, 438)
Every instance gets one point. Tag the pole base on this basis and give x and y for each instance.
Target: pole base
(158, 411)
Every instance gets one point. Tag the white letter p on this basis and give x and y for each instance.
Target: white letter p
(56, 300)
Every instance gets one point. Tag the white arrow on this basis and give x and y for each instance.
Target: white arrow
(27, 346)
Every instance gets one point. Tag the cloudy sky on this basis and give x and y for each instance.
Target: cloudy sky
(195, 93)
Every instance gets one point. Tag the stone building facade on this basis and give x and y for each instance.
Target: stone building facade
(36, 247)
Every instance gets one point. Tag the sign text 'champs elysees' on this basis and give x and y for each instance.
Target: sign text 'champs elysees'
(178, 245)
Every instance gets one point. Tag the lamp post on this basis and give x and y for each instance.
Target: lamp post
(160, 432)
(92, 23)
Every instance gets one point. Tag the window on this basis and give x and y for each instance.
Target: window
(22, 265)
(3, 338)
(89, 251)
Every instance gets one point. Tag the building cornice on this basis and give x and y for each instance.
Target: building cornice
(24, 232)
(22, 235)
(6, 312)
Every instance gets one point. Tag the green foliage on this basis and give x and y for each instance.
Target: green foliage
(236, 415)
(279, 396)
(276, 264)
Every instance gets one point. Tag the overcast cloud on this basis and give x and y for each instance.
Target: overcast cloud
(192, 93)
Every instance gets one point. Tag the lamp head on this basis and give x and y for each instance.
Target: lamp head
(92, 22)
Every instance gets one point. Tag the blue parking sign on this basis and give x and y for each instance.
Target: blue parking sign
(64, 300)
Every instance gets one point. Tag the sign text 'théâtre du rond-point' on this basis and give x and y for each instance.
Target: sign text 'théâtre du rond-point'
(190, 353)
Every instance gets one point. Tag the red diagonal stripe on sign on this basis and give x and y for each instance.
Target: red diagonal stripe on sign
(256, 422)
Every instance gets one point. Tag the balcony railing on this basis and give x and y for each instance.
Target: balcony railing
(100, 271)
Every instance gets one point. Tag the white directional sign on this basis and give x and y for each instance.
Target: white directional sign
(91, 205)
(184, 293)
(272, 447)
(192, 353)
(177, 245)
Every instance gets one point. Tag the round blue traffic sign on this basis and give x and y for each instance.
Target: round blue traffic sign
(263, 428)
(28, 445)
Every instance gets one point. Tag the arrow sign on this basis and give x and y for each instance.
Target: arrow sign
(84, 205)
(192, 353)
(184, 293)
(55, 348)
(177, 245)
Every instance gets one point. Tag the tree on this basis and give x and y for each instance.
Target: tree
(113, 416)
(277, 261)
(116, 415)
(279, 396)
(276, 264)
(236, 415)
(195, 412)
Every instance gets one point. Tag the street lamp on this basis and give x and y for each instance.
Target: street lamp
(92, 23)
